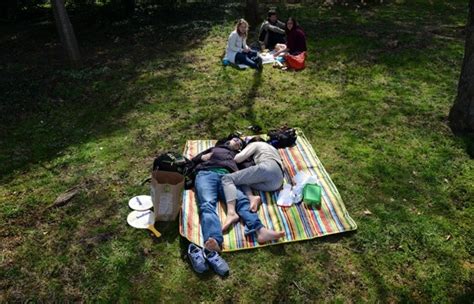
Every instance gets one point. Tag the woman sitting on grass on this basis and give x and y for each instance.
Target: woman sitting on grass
(266, 175)
(295, 40)
(237, 51)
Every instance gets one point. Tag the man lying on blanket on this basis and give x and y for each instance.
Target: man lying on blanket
(211, 165)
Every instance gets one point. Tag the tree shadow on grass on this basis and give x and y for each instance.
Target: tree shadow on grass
(249, 100)
(468, 141)
(47, 108)
(405, 35)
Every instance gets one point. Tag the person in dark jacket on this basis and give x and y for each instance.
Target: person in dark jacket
(295, 39)
(211, 165)
(272, 31)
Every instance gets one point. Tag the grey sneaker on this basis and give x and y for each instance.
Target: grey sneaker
(197, 259)
(217, 262)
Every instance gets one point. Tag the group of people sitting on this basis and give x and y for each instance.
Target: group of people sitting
(274, 35)
(228, 172)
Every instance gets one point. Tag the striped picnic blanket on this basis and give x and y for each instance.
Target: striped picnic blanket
(300, 222)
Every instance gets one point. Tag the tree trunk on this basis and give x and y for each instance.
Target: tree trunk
(11, 9)
(251, 12)
(461, 116)
(66, 32)
(129, 7)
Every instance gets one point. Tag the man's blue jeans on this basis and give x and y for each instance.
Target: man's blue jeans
(247, 59)
(209, 191)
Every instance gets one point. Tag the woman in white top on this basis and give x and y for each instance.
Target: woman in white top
(266, 175)
(238, 51)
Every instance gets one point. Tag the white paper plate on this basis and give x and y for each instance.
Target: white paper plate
(140, 202)
(141, 219)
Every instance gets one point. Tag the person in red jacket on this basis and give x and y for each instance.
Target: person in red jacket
(295, 39)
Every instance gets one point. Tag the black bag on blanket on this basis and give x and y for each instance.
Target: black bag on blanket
(282, 138)
(175, 162)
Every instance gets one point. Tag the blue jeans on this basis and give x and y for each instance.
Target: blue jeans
(209, 191)
(247, 59)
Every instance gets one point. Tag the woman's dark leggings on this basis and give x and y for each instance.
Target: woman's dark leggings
(250, 59)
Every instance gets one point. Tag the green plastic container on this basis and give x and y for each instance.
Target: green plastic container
(312, 195)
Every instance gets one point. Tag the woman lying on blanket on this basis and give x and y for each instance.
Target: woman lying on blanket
(295, 40)
(238, 51)
(211, 166)
(266, 175)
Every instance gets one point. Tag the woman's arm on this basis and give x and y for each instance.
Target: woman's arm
(302, 38)
(283, 49)
(246, 47)
(232, 43)
(245, 153)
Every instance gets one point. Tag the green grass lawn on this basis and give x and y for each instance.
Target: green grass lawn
(374, 113)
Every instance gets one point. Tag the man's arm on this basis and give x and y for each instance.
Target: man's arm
(281, 24)
(261, 34)
(198, 158)
(275, 29)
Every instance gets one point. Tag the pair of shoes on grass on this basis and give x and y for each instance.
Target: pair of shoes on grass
(201, 259)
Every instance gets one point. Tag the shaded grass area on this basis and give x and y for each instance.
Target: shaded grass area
(375, 114)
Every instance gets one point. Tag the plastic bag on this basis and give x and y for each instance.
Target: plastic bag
(301, 179)
(285, 198)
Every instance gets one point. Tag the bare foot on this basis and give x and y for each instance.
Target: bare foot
(229, 220)
(265, 235)
(255, 201)
(212, 245)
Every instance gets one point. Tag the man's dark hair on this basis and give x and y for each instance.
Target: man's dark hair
(271, 12)
(224, 140)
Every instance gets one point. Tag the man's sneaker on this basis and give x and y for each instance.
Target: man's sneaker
(217, 262)
(197, 259)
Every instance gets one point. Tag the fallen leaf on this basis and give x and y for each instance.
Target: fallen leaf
(392, 44)
(65, 197)
(367, 212)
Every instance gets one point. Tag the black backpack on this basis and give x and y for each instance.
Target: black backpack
(282, 138)
(175, 162)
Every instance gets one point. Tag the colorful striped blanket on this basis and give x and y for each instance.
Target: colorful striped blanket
(300, 222)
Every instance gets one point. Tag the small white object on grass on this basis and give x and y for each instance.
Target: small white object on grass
(143, 220)
(140, 202)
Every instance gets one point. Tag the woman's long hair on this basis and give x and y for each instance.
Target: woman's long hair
(242, 21)
(295, 25)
